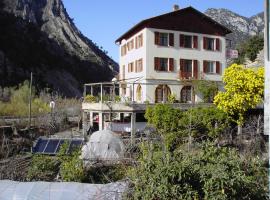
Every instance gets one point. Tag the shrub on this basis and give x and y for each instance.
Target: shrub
(42, 168)
(208, 172)
(90, 99)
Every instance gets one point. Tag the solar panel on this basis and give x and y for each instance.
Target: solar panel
(41, 144)
(59, 146)
(52, 146)
(74, 144)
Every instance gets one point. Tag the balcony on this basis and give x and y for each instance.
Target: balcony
(187, 75)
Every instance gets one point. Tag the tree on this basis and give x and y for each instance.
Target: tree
(244, 89)
(249, 49)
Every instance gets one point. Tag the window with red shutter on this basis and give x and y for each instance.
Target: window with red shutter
(171, 64)
(195, 69)
(195, 42)
(157, 38)
(218, 69)
(171, 39)
(182, 38)
(217, 44)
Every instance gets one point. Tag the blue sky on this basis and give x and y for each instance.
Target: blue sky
(103, 21)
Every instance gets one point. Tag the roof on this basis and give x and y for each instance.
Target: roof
(180, 20)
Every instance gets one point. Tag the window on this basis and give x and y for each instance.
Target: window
(130, 45)
(211, 67)
(186, 94)
(211, 44)
(187, 66)
(162, 93)
(188, 69)
(124, 50)
(188, 41)
(130, 67)
(139, 41)
(164, 64)
(139, 65)
(164, 39)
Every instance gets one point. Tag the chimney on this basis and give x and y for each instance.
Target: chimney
(175, 7)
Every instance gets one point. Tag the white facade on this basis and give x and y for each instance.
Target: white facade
(149, 78)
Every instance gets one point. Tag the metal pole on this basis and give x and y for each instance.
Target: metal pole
(30, 101)
(101, 92)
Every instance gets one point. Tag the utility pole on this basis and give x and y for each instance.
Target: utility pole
(30, 101)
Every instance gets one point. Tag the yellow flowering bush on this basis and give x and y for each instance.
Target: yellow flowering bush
(244, 89)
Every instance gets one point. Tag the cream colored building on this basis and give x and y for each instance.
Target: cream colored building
(161, 55)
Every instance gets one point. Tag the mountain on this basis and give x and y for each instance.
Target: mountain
(40, 37)
(242, 27)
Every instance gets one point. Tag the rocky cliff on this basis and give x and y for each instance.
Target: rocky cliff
(242, 27)
(39, 36)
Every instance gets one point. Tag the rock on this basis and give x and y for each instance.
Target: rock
(45, 40)
(242, 27)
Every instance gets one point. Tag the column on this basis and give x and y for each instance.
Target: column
(100, 121)
(132, 127)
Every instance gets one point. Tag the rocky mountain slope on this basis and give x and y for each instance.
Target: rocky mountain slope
(39, 36)
(242, 27)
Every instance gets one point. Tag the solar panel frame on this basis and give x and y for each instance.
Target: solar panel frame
(51, 146)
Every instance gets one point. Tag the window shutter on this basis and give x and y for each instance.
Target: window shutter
(218, 70)
(195, 68)
(204, 42)
(217, 44)
(195, 42)
(171, 39)
(182, 68)
(156, 63)
(136, 66)
(204, 66)
(157, 38)
(171, 67)
(181, 40)
(136, 42)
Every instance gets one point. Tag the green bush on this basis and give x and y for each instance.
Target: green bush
(207, 172)
(172, 98)
(43, 168)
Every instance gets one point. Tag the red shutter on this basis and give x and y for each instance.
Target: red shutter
(171, 39)
(182, 62)
(171, 67)
(204, 42)
(156, 63)
(218, 70)
(204, 66)
(157, 38)
(181, 38)
(217, 44)
(195, 42)
(136, 66)
(136, 42)
(195, 69)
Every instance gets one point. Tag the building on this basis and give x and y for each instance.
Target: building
(162, 55)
